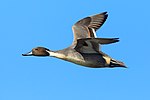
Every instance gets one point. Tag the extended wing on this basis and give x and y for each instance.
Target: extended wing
(86, 27)
(91, 45)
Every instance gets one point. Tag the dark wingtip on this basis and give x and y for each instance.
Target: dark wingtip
(107, 40)
(105, 12)
(116, 40)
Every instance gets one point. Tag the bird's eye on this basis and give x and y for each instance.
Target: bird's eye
(36, 49)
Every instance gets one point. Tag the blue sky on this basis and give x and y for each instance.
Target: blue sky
(25, 24)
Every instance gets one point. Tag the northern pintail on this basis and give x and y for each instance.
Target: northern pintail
(85, 49)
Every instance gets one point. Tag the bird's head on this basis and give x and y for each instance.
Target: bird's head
(38, 51)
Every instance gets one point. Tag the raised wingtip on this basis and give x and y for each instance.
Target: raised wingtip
(105, 12)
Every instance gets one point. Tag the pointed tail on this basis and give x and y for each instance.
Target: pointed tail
(116, 63)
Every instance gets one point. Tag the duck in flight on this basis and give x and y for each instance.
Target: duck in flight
(85, 49)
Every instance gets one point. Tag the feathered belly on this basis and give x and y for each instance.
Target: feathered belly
(88, 60)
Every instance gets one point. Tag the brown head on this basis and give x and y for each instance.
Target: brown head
(38, 51)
